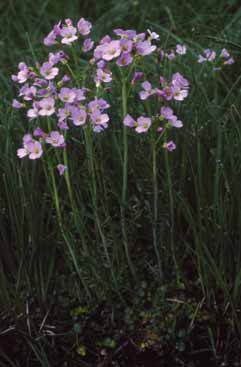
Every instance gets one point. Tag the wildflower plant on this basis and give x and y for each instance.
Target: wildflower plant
(61, 96)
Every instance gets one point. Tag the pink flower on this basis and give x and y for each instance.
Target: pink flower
(64, 113)
(84, 27)
(42, 83)
(139, 37)
(180, 87)
(69, 35)
(143, 124)
(170, 146)
(88, 45)
(145, 48)
(78, 116)
(230, 61)
(201, 59)
(129, 121)
(98, 52)
(33, 112)
(62, 125)
(224, 53)
(159, 129)
(181, 49)
(46, 106)
(177, 89)
(16, 104)
(167, 93)
(22, 152)
(23, 74)
(31, 148)
(180, 94)
(175, 122)
(105, 39)
(61, 168)
(79, 94)
(124, 60)
(125, 34)
(111, 50)
(101, 64)
(104, 76)
(27, 138)
(65, 79)
(28, 93)
(55, 58)
(35, 149)
(147, 92)
(48, 71)
(50, 39)
(126, 45)
(38, 132)
(49, 90)
(99, 119)
(167, 113)
(55, 139)
(209, 55)
(97, 104)
(152, 35)
(67, 95)
(171, 55)
(138, 75)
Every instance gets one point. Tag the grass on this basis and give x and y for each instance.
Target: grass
(92, 240)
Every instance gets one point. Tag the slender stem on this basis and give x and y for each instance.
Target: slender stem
(218, 154)
(171, 202)
(60, 222)
(125, 143)
(124, 181)
(78, 218)
(155, 205)
(68, 184)
(71, 72)
(90, 157)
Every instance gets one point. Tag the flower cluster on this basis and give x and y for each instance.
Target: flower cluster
(49, 91)
(31, 148)
(66, 33)
(180, 50)
(166, 116)
(124, 50)
(141, 125)
(210, 56)
(176, 89)
(55, 96)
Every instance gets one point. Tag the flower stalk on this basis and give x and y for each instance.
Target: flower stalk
(124, 179)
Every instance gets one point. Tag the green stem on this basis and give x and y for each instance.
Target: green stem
(125, 143)
(171, 202)
(218, 155)
(71, 72)
(59, 217)
(78, 219)
(155, 205)
(90, 157)
(60, 223)
(124, 181)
